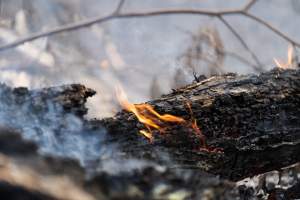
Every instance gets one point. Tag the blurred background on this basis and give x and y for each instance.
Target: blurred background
(147, 56)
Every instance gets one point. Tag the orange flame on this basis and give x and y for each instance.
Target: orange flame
(290, 59)
(146, 114)
(153, 120)
(195, 126)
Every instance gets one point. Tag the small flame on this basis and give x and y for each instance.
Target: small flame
(147, 134)
(153, 120)
(195, 126)
(146, 114)
(290, 59)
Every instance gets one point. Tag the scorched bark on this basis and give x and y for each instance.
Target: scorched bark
(255, 119)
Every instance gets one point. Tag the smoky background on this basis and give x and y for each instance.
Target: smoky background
(147, 56)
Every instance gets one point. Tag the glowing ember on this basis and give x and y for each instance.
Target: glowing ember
(290, 59)
(195, 127)
(153, 120)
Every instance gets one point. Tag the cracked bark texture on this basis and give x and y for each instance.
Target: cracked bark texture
(24, 174)
(255, 119)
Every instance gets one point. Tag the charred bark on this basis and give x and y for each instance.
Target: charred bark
(24, 173)
(32, 176)
(254, 119)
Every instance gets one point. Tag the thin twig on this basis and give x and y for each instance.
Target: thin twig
(117, 15)
(114, 15)
(240, 58)
(258, 67)
(68, 27)
(119, 7)
(225, 52)
(249, 5)
(272, 28)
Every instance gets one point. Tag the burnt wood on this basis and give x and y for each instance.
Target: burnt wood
(254, 119)
(251, 121)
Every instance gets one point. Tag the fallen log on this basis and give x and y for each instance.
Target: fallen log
(26, 173)
(254, 119)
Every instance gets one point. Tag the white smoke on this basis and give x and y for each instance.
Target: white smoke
(55, 132)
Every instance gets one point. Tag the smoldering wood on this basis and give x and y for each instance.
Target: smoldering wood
(34, 174)
(254, 118)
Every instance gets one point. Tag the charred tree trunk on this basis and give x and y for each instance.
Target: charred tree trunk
(255, 120)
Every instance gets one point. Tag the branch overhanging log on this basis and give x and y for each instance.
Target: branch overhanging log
(258, 66)
(117, 15)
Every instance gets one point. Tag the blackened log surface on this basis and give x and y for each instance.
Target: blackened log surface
(70, 98)
(254, 119)
(37, 177)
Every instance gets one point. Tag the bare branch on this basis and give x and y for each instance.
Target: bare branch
(272, 28)
(225, 52)
(117, 15)
(99, 20)
(240, 58)
(60, 29)
(119, 7)
(258, 67)
(249, 5)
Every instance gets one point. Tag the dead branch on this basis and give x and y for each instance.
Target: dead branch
(272, 28)
(120, 5)
(226, 52)
(249, 5)
(258, 66)
(117, 15)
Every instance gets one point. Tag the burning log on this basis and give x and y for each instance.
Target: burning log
(252, 120)
(26, 174)
(229, 125)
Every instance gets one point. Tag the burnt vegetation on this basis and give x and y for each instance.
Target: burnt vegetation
(253, 120)
(222, 136)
